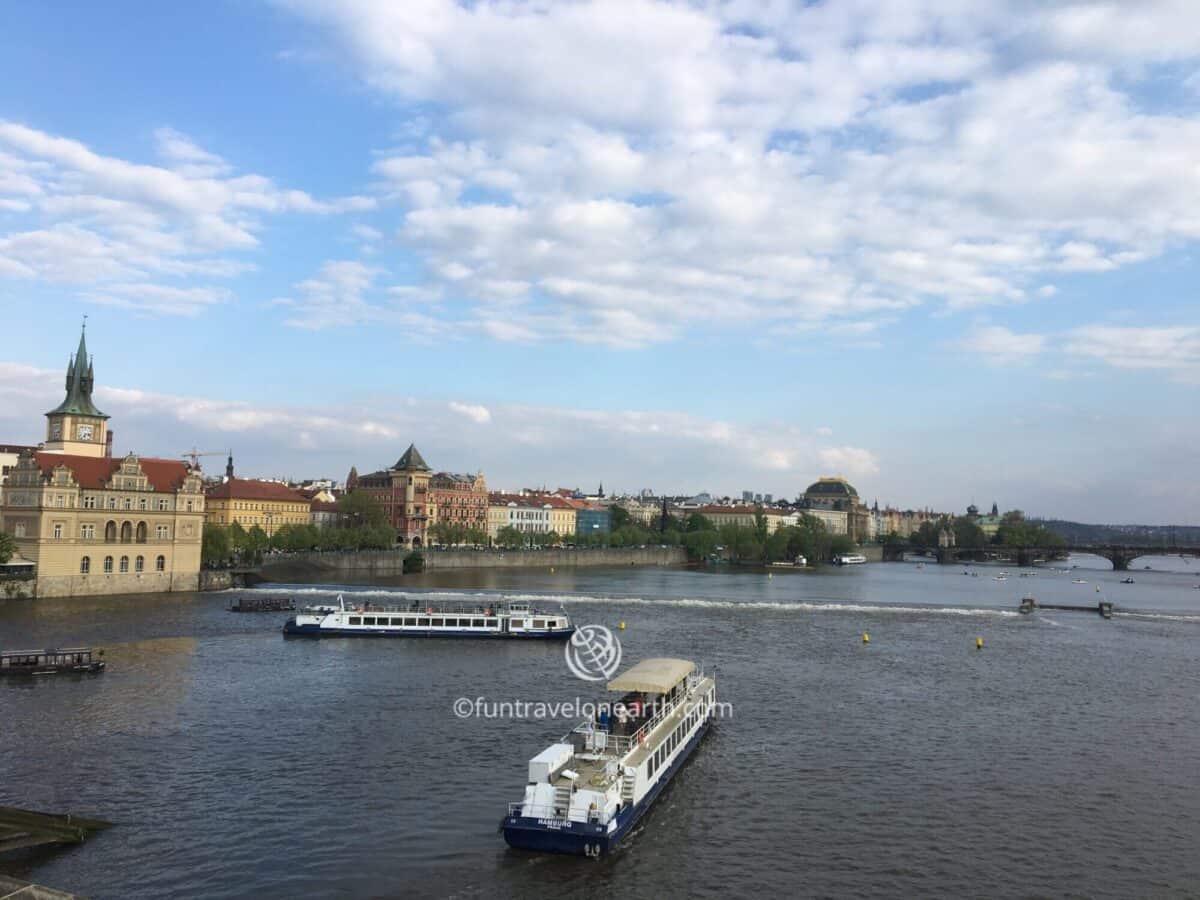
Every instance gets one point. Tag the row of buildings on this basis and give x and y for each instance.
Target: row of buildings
(87, 522)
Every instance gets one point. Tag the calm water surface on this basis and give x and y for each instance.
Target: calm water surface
(1061, 761)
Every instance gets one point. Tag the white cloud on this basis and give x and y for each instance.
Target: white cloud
(635, 170)
(1002, 345)
(1175, 350)
(476, 413)
(123, 228)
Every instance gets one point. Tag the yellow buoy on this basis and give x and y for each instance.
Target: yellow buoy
(978, 643)
(866, 638)
(621, 626)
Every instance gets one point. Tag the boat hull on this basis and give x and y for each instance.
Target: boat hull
(291, 629)
(581, 838)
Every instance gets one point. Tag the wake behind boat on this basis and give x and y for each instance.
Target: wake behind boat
(419, 618)
(587, 791)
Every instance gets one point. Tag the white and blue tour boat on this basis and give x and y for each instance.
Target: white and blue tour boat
(588, 790)
(421, 618)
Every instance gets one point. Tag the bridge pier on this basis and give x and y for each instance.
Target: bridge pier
(946, 556)
(1120, 561)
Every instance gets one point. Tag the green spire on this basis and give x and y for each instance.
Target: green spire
(80, 381)
(412, 460)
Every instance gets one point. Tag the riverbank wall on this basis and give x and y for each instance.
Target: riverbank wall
(391, 562)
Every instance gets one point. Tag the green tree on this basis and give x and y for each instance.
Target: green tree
(214, 544)
(358, 509)
(256, 542)
(476, 537)
(840, 545)
(237, 538)
(509, 538)
(700, 544)
(968, 534)
(8, 547)
(618, 517)
(698, 522)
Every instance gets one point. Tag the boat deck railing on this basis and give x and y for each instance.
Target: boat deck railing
(620, 745)
(424, 607)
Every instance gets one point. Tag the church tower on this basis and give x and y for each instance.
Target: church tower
(75, 426)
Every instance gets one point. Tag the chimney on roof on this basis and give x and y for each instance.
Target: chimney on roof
(108, 444)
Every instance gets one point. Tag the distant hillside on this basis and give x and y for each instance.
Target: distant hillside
(1136, 535)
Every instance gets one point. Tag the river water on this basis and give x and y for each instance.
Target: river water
(1062, 760)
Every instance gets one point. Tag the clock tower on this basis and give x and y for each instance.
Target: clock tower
(75, 426)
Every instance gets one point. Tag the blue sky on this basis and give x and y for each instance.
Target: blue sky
(948, 253)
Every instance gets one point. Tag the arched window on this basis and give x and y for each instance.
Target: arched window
(85, 565)
(141, 532)
(139, 564)
(124, 563)
(160, 564)
(110, 533)
(126, 532)
(142, 503)
(108, 565)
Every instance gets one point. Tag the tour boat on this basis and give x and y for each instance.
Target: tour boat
(851, 559)
(586, 791)
(50, 662)
(420, 618)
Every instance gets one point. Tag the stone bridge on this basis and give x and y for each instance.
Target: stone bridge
(1120, 555)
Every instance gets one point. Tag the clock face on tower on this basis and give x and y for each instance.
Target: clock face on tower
(56, 431)
(84, 432)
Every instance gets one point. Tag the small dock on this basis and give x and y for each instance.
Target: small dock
(262, 604)
(1103, 607)
(24, 828)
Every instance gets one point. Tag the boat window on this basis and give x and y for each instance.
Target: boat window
(477, 623)
(410, 620)
(493, 623)
(356, 620)
(539, 623)
(368, 620)
(436, 623)
(452, 623)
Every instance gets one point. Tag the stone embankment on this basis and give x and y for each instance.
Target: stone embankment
(370, 563)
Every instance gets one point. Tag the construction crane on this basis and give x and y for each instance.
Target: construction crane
(194, 455)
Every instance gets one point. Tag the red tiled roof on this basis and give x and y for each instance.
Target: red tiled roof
(324, 506)
(165, 475)
(250, 489)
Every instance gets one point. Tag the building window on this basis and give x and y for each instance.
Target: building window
(85, 565)
(142, 503)
(59, 501)
(124, 563)
(112, 502)
(162, 504)
(140, 534)
(108, 565)
(19, 529)
(139, 564)
(128, 503)
(87, 532)
(57, 530)
(126, 532)
(160, 564)
(161, 532)
(189, 506)
(89, 502)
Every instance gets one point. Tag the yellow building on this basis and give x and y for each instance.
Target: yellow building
(267, 504)
(92, 524)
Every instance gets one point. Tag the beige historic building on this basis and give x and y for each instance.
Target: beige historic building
(92, 524)
(268, 504)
